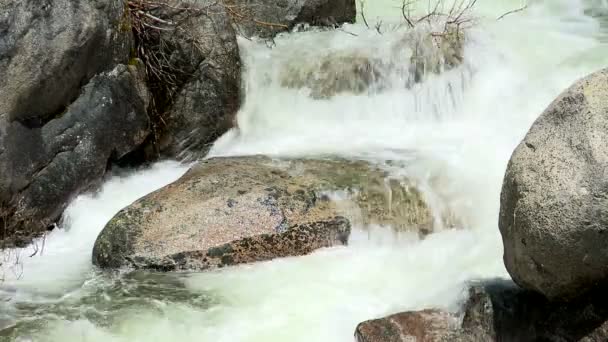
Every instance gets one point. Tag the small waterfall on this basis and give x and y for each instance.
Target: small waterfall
(323, 88)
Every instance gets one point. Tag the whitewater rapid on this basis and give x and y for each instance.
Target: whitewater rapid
(461, 125)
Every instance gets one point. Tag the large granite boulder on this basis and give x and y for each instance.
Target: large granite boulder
(42, 168)
(265, 18)
(196, 74)
(496, 310)
(226, 211)
(554, 201)
(50, 49)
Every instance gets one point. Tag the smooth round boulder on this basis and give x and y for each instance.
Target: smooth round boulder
(554, 201)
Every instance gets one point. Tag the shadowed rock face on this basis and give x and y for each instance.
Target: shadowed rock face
(554, 207)
(203, 56)
(265, 18)
(42, 168)
(252, 209)
(497, 311)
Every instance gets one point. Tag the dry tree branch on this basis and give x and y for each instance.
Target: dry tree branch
(523, 8)
(406, 12)
(14, 232)
(379, 27)
(431, 13)
(362, 6)
(348, 32)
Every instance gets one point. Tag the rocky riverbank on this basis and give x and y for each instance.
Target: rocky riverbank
(88, 85)
(128, 82)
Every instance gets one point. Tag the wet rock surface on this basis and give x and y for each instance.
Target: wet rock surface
(255, 208)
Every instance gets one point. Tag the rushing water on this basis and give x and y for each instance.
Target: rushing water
(462, 125)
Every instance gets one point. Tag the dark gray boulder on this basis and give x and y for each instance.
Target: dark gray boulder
(196, 85)
(265, 18)
(49, 49)
(43, 168)
(554, 201)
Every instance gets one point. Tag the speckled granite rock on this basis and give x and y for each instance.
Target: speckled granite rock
(554, 200)
(227, 211)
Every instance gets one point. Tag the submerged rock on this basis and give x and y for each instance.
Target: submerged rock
(334, 74)
(226, 211)
(497, 311)
(408, 61)
(201, 94)
(265, 18)
(431, 53)
(43, 168)
(554, 207)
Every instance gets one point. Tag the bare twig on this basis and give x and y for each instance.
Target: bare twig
(347, 32)
(512, 12)
(362, 6)
(406, 12)
(379, 27)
